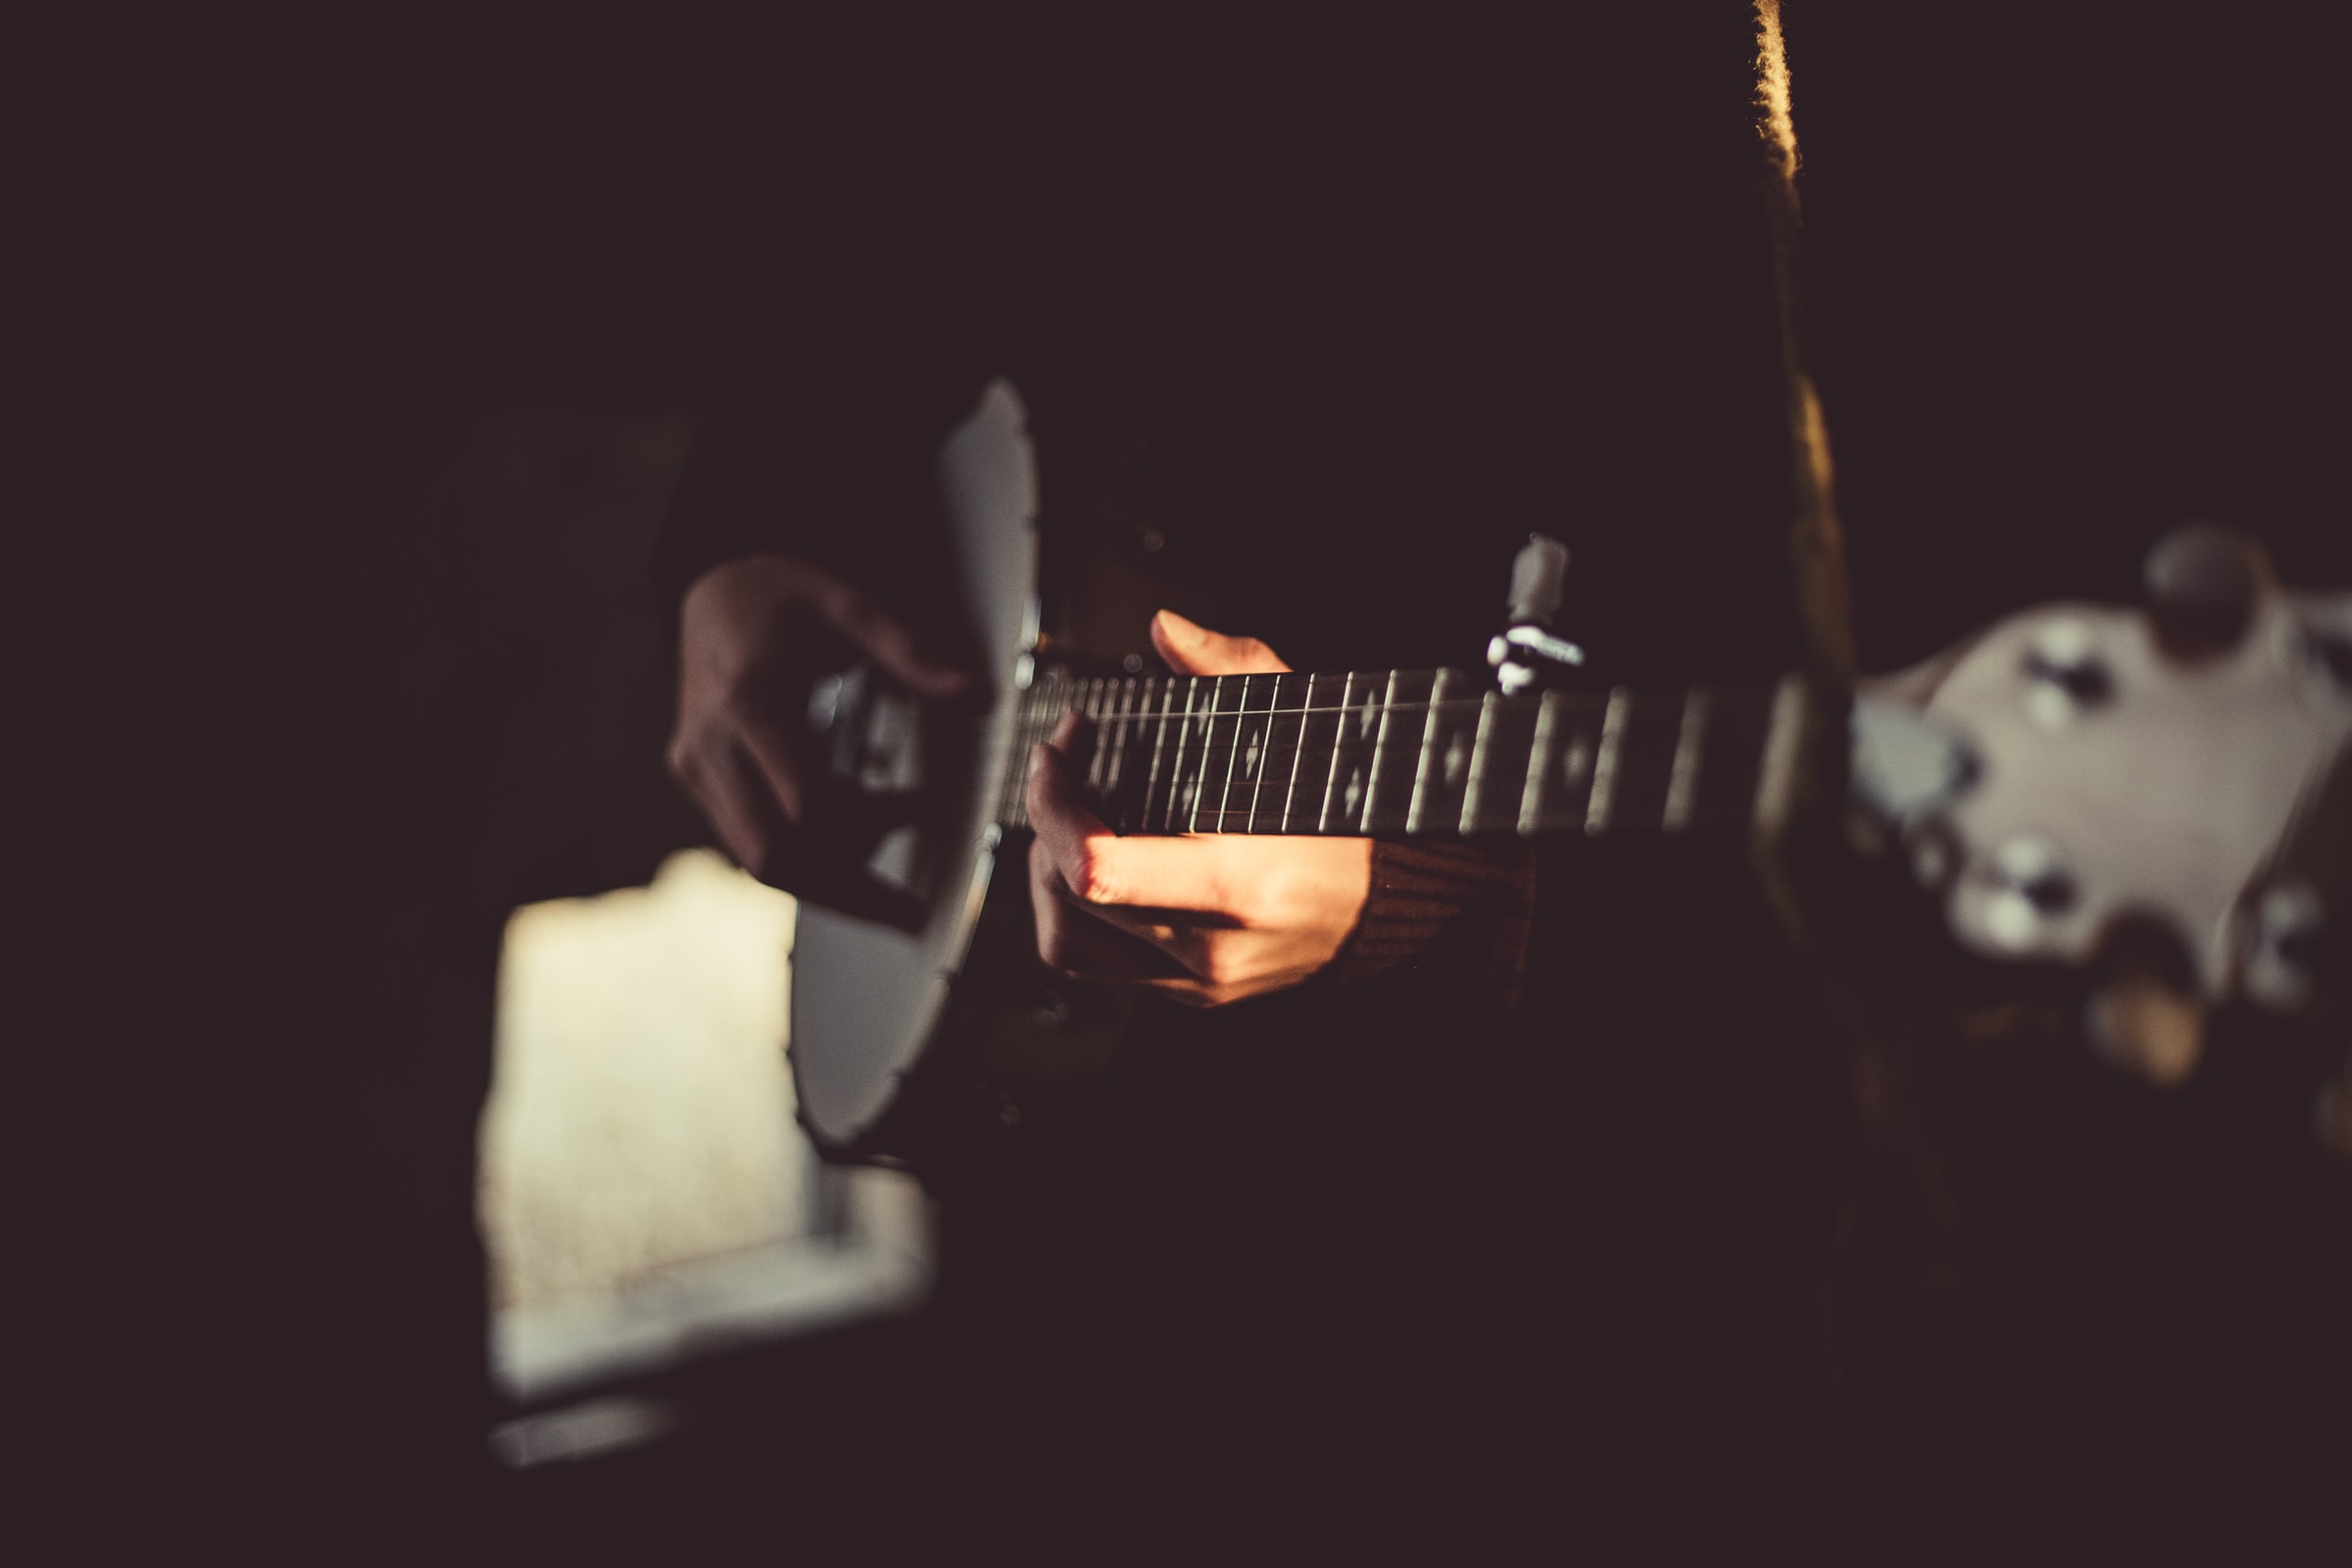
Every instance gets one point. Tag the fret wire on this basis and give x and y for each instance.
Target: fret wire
(1540, 763)
(1289, 792)
(1265, 751)
(1233, 749)
(1389, 707)
(1689, 744)
(1089, 708)
(1240, 727)
(1160, 745)
(1475, 785)
(1784, 751)
(1604, 765)
(1339, 751)
(1204, 735)
(1098, 704)
(1431, 731)
(1184, 732)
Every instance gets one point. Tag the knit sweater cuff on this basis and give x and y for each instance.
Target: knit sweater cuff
(1466, 906)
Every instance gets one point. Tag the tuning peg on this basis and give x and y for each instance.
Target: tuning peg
(1539, 573)
(1523, 651)
(2067, 673)
(2204, 584)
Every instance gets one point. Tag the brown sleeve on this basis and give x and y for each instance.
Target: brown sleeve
(1463, 906)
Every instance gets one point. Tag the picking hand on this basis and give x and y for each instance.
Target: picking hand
(741, 744)
(1205, 919)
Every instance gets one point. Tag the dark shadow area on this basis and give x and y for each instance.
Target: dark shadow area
(364, 370)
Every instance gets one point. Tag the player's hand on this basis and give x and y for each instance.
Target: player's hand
(742, 747)
(1205, 919)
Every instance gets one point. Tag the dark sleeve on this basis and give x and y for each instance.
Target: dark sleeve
(1466, 907)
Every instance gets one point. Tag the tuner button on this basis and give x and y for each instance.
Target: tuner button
(2033, 889)
(2283, 945)
(2066, 673)
(2203, 585)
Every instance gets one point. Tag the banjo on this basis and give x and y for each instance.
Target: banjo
(2075, 783)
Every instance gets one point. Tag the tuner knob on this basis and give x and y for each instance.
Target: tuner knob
(2067, 673)
(2032, 888)
(2203, 586)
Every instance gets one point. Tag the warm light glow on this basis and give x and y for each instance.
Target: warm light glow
(1772, 88)
(643, 1113)
(1817, 542)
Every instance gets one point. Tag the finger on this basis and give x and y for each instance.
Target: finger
(773, 749)
(1059, 812)
(1074, 737)
(735, 799)
(1102, 869)
(889, 644)
(1195, 650)
(1070, 939)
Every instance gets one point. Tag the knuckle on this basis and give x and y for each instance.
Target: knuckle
(1092, 876)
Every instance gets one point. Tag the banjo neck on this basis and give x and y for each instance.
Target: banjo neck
(1411, 753)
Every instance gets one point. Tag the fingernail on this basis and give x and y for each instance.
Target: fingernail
(1181, 629)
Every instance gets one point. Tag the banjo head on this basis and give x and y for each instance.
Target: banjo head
(866, 994)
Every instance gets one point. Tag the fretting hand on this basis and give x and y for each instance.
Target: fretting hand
(1205, 918)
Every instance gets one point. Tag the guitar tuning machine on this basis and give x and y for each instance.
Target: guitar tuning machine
(1527, 653)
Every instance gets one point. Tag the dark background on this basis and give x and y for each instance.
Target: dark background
(2072, 273)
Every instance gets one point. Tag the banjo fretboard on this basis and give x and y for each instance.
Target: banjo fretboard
(1409, 753)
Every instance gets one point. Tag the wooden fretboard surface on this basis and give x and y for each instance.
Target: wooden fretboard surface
(1410, 753)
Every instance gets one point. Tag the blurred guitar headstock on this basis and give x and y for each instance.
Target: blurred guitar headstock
(2155, 799)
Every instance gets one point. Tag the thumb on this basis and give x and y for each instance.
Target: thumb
(1192, 650)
